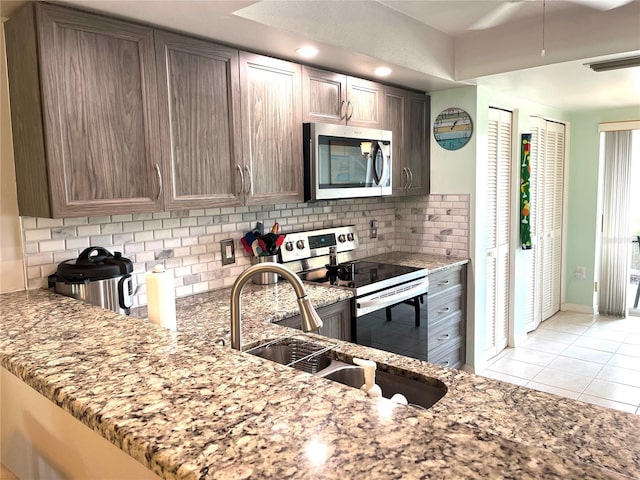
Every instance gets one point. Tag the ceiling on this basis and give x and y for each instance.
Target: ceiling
(430, 45)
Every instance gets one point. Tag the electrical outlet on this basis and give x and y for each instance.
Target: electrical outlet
(373, 232)
(228, 251)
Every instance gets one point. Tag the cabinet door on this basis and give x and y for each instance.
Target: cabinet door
(418, 134)
(395, 117)
(336, 321)
(199, 98)
(100, 108)
(323, 96)
(271, 129)
(364, 103)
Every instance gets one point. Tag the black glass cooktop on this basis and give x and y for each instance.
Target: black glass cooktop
(358, 274)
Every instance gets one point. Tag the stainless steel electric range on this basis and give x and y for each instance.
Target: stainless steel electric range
(388, 309)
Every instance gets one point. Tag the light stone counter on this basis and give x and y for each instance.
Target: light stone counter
(433, 263)
(186, 407)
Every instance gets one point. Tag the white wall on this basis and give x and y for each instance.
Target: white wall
(12, 276)
(464, 171)
(455, 172)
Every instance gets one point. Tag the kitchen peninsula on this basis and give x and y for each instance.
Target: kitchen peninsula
(185, 406)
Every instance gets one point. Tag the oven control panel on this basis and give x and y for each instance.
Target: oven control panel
(316, 243)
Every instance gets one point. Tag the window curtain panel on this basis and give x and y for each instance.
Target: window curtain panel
(616, 251)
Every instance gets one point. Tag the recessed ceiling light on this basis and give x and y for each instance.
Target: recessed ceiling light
(307, 52)
(382, 72)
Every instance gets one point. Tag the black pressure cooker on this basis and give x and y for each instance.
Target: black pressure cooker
(97, 277)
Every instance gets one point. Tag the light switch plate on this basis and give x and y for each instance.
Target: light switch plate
(373, 231)
(228, 251)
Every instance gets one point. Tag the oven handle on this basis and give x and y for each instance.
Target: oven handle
(389, 300)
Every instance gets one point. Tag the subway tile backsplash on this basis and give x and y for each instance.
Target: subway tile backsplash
(188, 242)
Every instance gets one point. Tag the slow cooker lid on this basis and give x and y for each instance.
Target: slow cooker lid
(94, 263)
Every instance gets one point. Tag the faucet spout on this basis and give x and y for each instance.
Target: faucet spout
(310, 318)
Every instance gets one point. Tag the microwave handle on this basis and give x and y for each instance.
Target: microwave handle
(385, 162)
(375, 149)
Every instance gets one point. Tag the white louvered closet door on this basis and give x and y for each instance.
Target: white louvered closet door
(547, 183)
(533, 305)
(555, 157)
(498, 228)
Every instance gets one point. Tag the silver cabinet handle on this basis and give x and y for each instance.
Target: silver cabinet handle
(342, 109)
(444, 310)
(443, 337)
(410, 179)
(406, 178)
(349, 110)
(159, 174)
(443, 282)
(250, 182)
(241, 178)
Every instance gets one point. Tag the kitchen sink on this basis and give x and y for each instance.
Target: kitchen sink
(293, 352)
(317, 359)
(422, 394)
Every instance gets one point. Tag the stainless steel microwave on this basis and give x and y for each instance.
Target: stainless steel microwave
(346, 162)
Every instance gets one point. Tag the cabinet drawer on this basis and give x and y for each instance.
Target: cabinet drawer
(445, 333)
(452, 357)
(444, 305)
(444, 280)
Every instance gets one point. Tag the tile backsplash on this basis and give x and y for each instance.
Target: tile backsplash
(188, 242)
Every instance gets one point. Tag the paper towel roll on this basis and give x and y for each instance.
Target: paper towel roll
(161, 298)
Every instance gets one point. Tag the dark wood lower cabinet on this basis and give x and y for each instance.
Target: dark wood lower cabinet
(336, 319)
(446, 313)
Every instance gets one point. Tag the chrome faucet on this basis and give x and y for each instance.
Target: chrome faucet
(310, 319)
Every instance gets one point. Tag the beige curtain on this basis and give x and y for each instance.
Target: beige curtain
(614, 275)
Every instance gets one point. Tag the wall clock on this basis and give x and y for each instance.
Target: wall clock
(453, 128)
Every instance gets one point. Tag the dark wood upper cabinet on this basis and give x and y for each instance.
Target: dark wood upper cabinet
(417, 152)
(84, 113)
(335, 98)
(271, 129)
(407, 116)
(114, 117)
(199, 102)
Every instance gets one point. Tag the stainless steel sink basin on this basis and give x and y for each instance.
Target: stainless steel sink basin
(418, 393)
(316, 359)
(292, 352)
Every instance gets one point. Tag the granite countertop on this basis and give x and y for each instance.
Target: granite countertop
(187, 407)
(433, 263)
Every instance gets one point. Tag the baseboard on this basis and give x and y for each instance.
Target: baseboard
(519, 340)
(571, 307)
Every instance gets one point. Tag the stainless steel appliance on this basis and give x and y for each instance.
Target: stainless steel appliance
(97, 277)
(345, 162)
(379, 289)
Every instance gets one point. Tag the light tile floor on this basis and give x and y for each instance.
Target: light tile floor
(591, 358)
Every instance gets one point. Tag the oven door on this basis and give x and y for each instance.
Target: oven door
(394, 320)
(391, 296)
